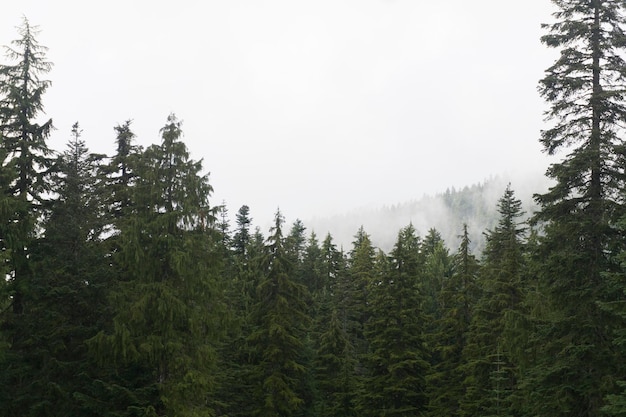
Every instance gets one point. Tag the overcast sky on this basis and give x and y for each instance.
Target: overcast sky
(317, 106)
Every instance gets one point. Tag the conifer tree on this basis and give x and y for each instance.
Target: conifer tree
(437, 269)
(575, 365)
(241, 237)
(67, 304)
(335, 357)
(120, 171)
(458, 296)
(361, 273)
(334, 369)
(223, 225)
(24, 172)
(166, 309)
(237, 371)
(26, 157)
(491, 371)
(281, 319)
(311, 265)
(397, 360)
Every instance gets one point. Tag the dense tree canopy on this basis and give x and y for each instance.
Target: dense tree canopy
(128, 293)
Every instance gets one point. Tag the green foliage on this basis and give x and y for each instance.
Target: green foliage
(25, 155)
(280, 318)
(166, 311)
(397, 360)
(490, 369)
(575, 367)
(448, 337)
(124, 297)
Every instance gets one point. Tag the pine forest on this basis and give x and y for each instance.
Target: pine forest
(129, 292)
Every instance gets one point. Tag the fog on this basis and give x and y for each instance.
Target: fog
(447, 211)
(321, 108)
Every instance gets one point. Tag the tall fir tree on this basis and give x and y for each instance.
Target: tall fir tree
(119, 171)
(458, 296)
(167, 310)
(397, 359)
(24, 171)
(281, 319)
(66, 300)
(576, 365)
(241, 237)
(334, 354)
(361, 273)
(26, 154)
(491, 372)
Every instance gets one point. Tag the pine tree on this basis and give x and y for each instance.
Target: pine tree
(71, 268)
(334, 369)
(236, 368)
(26, 156)
(167, 311)
(311, 266)
(242, 234)
(576, 365)
(397, 359)
(66, 299)
(281, 319)
(458, 296)
(24, 172)
(361, 273)
(437, 269)
(491, 371)
(334, 355)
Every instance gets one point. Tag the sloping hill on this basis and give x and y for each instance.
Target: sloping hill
(475, 205)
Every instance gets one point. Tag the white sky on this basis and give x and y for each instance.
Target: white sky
(317, 106)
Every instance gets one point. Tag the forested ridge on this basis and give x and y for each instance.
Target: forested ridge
(129, 293)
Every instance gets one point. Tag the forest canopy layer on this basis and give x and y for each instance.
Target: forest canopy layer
(127, 292)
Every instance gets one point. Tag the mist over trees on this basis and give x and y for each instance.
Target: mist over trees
(474, 205)
(127, 292)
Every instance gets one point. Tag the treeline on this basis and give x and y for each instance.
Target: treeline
(128, 294)
(474, 205)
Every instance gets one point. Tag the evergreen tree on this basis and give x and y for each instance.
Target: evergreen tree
(397, 359)
(67, 299)
(167, 311)
(334, 368)
(120, 171)
(24, 172)
(296, 241)
(361, 273)
(458, 296)
(236, 355)
(335, 357)
(311, 266)
(281, 319)
(242, 234)
(223, 225)
(437, 269)
(26, 158)
(491, 371)
(576, 364)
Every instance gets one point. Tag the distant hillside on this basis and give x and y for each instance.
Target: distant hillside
(475, 205)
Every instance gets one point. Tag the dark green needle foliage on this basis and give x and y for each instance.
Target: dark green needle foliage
(397, 360)
(280, 319)
(24, 172)
(25, 154)
(167, 314)
(575, 364)
(67, 304)
(490, 369)
(458, 297)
